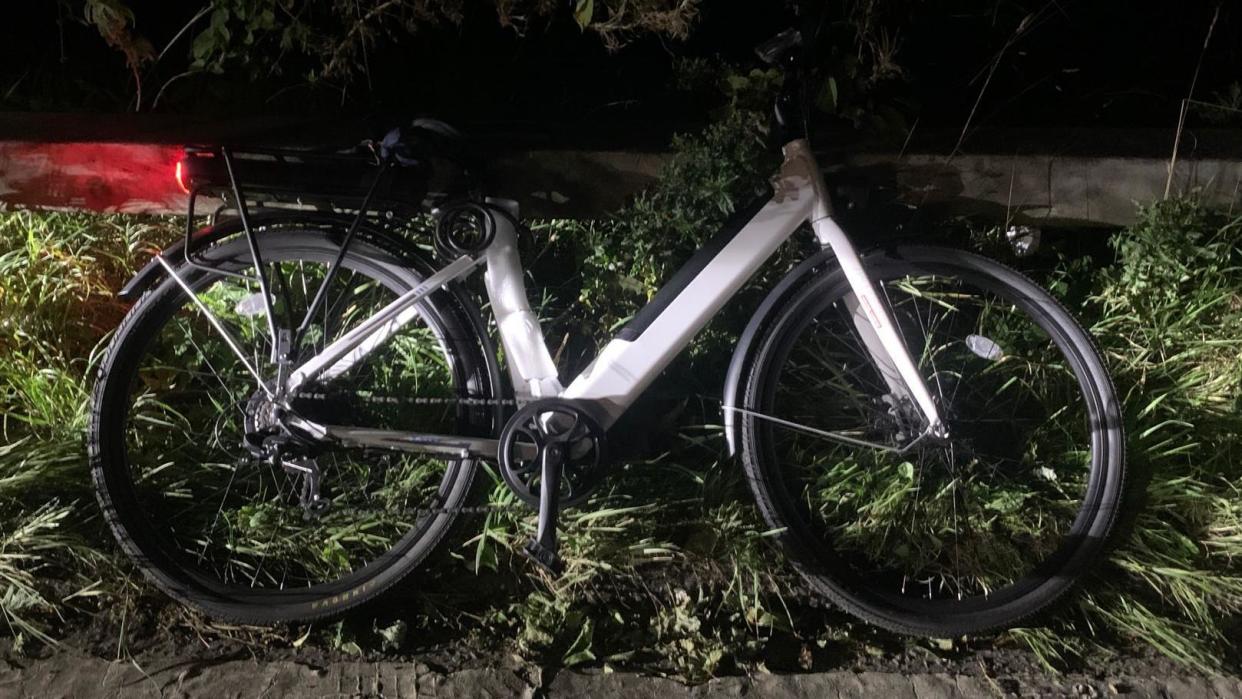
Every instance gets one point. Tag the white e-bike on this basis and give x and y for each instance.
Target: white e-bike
(295, 411)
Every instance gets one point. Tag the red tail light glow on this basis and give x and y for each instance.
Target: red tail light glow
(180, 176)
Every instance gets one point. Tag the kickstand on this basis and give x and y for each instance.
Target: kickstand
(542, 549)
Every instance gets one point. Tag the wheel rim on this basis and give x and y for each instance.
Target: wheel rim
(930, 531)
(242, 534)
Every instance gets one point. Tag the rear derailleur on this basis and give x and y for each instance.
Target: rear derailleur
(269, 439)
(551, 456)
(313, 504)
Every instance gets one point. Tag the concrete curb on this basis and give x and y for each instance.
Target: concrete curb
(67, 675)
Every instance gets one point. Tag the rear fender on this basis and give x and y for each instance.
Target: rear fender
(152, 272)
(394, 250)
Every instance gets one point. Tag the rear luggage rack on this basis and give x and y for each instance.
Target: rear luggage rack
(300, 178)
(358, 181)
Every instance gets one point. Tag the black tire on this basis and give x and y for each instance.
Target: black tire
(133, 512)
(871, 575)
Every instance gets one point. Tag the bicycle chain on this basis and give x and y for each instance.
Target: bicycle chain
(418, 511)
(416, 400)
(517, 403)
(395, 400)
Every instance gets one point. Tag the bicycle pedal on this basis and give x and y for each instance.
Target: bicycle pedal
(545, 557)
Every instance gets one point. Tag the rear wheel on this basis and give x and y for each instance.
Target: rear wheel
(936, 537)
(177, 423)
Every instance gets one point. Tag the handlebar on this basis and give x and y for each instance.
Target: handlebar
(789, 111)
(779, 48)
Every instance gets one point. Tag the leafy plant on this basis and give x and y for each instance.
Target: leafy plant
(1169, 314)
(332, 39)
(56, 304)
(114, 20)
(626, 258)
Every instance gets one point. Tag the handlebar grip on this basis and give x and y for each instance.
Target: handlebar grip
(775, 50)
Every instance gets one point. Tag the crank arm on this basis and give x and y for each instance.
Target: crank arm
(543, 548)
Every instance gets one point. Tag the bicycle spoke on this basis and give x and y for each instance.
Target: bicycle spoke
(938, 521)
(248, 528)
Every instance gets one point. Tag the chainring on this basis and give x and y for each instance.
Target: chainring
(531, 429)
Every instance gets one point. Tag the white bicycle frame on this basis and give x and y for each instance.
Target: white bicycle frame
(628, 364)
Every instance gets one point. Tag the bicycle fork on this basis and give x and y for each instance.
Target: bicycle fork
(874, 320)
(872, 316)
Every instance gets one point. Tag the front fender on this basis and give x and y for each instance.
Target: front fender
(819, 263)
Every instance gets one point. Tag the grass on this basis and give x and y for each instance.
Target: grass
(669, 568)
(1169, 317)
(57, 303)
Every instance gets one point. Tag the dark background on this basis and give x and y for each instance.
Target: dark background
(1079, 63)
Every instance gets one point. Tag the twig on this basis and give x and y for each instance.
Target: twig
(150, 679)
(170, 81)
(138, 83)
(1213, 105)
(120, 639)
(366, 61)
(60, 31)
(184, 29)
(16, 84)
(909, 135)
(1023, 26)
(1013, 174)
(360, 29)
(1181, 118)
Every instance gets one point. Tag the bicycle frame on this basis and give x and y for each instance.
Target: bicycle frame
(628, 364)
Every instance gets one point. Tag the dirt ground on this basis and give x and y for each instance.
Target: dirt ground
(162, 659)
(72, 674)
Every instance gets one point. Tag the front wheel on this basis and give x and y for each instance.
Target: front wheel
(938, 537)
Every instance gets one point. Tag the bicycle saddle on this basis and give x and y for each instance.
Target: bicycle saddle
(426, 139)
(442, 152)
